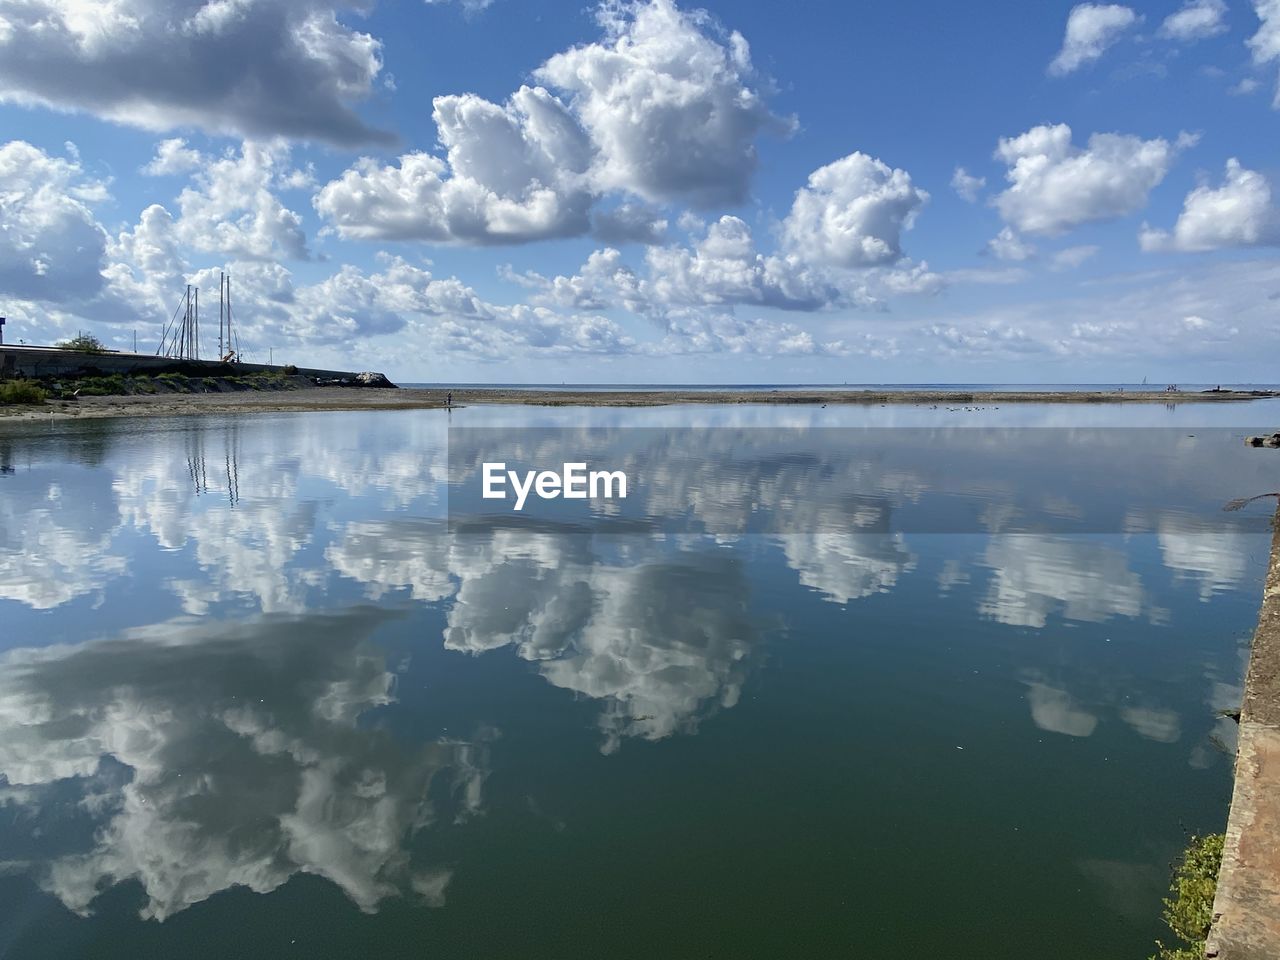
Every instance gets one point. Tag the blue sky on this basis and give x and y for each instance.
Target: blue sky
(748, 192)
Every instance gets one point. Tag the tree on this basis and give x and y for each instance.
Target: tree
(83, 343)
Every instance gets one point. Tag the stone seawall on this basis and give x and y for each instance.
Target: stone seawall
(1247, 906)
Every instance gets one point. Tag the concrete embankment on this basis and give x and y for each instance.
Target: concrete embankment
(40, 362)
(1247, 906)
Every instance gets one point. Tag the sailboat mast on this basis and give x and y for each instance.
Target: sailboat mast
(230, 344)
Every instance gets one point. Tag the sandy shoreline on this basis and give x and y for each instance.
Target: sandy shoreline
(345, 398)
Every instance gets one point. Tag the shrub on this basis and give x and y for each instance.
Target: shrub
(21, 391)
(1189, 912)
(111, 386)
(290, 371)
(84, 343)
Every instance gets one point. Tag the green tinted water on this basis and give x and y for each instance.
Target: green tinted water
(257, 700)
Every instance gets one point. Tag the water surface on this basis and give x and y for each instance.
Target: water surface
(259, 697)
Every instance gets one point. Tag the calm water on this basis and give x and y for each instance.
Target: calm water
(954, 696)
(897, 387)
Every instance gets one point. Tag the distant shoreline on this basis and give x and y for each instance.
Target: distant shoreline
(413, 398)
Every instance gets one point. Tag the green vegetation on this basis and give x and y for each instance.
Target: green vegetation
(177, 382)
(83, 342)
(111, 386)
(114, 385)
(21, 391)
(271, 380)
(290, 371)
(1189, 911)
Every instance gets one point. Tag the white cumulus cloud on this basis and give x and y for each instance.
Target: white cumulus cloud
(669, 103)
(1091, 29)
(514, 172)
(232, 208)
(262, 68)
(661, 108)
(1055, 185)
(724, 268)
(51, 246)
(1265, 44)
(1196, 20)
(852, 213)
(967, 186)
(1007, 245)
(173, 157)
(1237, 214)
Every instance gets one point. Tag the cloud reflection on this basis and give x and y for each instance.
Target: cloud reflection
(1213, 560)
(1056, 711)
(253, 502)
(55, 537)
(848, 566)
(1034, 576)
(658, 634)
(210, 756)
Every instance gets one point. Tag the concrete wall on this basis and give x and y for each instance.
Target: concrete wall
(1247, 906)
(24, 361)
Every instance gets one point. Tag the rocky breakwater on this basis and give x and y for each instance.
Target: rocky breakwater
(367, 378)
